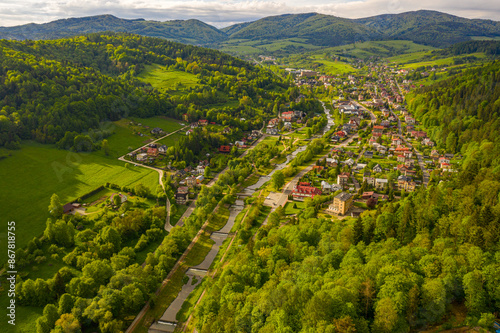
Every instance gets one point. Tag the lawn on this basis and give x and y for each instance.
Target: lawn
(123, 135)
(290, 210)
(47, 170)
(171, 139)
(181, 209)
(378, 48)
(336, 67)
(165, 79)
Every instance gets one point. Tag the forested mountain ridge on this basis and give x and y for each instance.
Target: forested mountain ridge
(48, 88)
(424, 27)
(463, 112)
(317, 29)
(430, 27)
(184, 31)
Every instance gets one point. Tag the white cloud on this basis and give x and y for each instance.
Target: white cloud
(229, 12)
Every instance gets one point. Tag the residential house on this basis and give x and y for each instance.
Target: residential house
(418, 134)
(350, 162)
(428, 142)
(305, 190)
(191, 181)
(182, 195)
(226, 130)
(200, 169)
(369, 180)
(272, 131)
(367, 195)
(288, 116)
(331, 162)
(199, 179)
(225, 149)
(443, 160)
(239, 144)
(409, 120)
(142, 157)
(381, 184)
(434, 154)
(406, 183)
(156, 131)
(401, 158)
(377, 168)
(343, 179)
(409, 163)
(203, 122)
(287, 126)
(162, 149)
(329, 188)
(153, 152)
(368, 154)
(378, 130)
(341, 203)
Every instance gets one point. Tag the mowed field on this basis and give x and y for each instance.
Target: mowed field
(378, 48)
(124, 133)
(32, 174)
(165, 79)
(35, 172)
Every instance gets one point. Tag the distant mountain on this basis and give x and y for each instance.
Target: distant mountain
(188, 31)
(430, 27)
(291, 32)
(313, 28)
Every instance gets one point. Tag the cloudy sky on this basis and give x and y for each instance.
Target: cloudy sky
(224, 13)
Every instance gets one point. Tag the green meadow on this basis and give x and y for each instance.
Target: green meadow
(33, 173)
(165, 79)
(334, 67)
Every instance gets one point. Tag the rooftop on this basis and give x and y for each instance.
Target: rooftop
(344, 196)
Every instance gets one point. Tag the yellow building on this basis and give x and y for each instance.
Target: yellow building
(341, 203)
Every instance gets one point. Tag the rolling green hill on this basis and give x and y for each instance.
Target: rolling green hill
(289, 33)
(316, 29)
(184, 31)
(430, 27)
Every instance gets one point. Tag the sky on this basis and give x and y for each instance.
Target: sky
(224, 13)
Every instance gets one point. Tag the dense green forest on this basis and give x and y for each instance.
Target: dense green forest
(462, 113)
(489, 47)
(48, 88)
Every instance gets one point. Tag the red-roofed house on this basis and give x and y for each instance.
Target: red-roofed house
(153, 152)
(287, 115)
(305, 190)
(225, 149)
(203, 122)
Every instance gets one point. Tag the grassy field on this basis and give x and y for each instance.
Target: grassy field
(421, 59)
(47, 170)
(289, 210)
(124, 136)
(165, 79)
(172, 139)
(333, 67)
(377, 48)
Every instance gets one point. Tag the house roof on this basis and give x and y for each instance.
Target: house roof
(344, 196)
